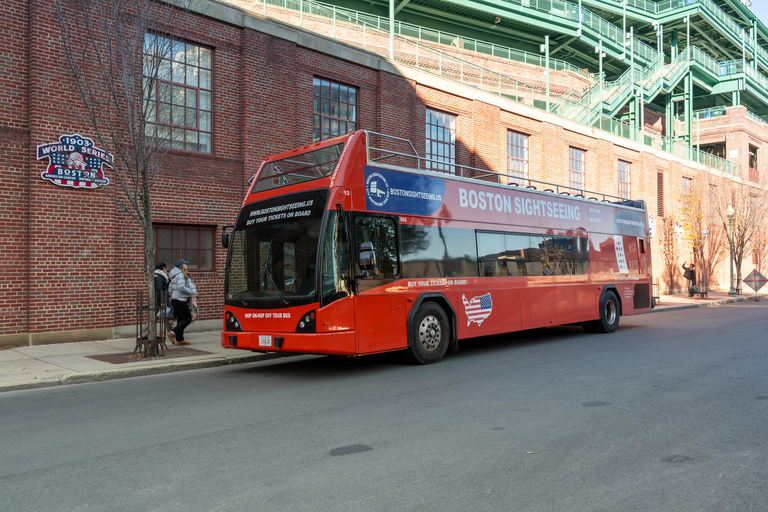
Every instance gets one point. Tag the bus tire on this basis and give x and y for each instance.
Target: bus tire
(609, 314)
(429, 334)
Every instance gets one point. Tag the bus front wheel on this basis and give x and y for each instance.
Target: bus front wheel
(429, 334)
(609, 314)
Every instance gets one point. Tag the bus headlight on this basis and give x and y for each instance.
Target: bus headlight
(231, 323)
(307, 323)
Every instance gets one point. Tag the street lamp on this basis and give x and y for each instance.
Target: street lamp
(732, 291)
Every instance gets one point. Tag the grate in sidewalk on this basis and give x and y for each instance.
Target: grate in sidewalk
(130, 357)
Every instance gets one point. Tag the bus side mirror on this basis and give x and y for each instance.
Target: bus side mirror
(225, 236)
(367, 256)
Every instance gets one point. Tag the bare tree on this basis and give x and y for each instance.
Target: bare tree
(714, 251)
(695, 222)
(760, 246)
(669, 250)
(114, 54)
(749, 207)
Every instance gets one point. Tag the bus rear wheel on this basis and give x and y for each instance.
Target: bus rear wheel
(429, 334)
(609, 314)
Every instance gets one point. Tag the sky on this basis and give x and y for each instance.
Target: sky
(760, 8)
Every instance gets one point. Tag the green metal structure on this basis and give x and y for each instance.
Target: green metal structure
(688, 59)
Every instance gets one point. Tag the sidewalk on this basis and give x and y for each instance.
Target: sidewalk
(714, 298)
(93, 361)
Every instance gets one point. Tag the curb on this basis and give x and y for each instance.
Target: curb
(138, 371)
(719, 302)
(180, 366)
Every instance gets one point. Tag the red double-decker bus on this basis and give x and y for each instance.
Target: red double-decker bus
(356, 245)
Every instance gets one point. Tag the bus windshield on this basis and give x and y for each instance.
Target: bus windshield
(273, 253)
(298, 168)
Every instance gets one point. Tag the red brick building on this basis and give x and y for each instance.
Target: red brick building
(73, 261)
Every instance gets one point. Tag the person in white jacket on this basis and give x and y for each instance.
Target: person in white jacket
(182, 290)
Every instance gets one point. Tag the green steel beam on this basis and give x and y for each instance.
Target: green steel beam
(728, 85)
(400, 6)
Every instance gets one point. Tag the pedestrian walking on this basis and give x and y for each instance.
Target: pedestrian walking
(182, 290)
(689, 273)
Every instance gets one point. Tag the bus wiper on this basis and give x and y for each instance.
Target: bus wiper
(268, 273)
(232, 284)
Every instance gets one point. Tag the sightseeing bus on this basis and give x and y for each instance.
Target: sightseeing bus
(357, 245)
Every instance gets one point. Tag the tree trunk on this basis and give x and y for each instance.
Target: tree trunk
(149, 272)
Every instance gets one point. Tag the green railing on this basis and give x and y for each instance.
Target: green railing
(703, 60)
(707, 113)
(372, 34)
(756, 117)
(475, 45)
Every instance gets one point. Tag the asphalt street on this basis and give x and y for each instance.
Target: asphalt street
(667, 414)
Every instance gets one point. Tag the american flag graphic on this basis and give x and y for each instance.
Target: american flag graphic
(478, 309)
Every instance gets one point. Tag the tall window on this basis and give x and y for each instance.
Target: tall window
(334, 108)
(178, 87)
(754, 175)
(687, 185)
(660, 193)
(193, 243)
(576, 168)
(441, 140)
(624, 176)
(517, 154)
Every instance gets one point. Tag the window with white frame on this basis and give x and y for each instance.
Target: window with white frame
(576, 158)
(334, 109)
(517, 154)
(441, 140)
(178, 93)
(624, 175)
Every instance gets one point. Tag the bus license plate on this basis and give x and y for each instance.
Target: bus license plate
(265, 341)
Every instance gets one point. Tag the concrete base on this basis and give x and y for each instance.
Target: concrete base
(14, 340)
(126, 331)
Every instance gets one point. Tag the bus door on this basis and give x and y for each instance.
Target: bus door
(380, 318)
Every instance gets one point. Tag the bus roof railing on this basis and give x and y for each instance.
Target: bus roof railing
(437, 166)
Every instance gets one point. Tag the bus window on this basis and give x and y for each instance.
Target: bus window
(581, 254)
(547, 256)
(436, 251)
(381, 232)
(502, 254)
(491, 254)
(515, 246)
(334, 263)
(299, 168)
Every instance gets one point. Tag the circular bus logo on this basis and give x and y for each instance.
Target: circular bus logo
(377, 189)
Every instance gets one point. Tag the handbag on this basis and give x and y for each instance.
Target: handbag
(193, 308)
(688, 274)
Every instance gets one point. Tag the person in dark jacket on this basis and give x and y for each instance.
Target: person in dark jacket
(162, 299)
(690, 274)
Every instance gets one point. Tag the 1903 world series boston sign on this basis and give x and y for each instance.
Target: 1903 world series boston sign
(75, 162)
